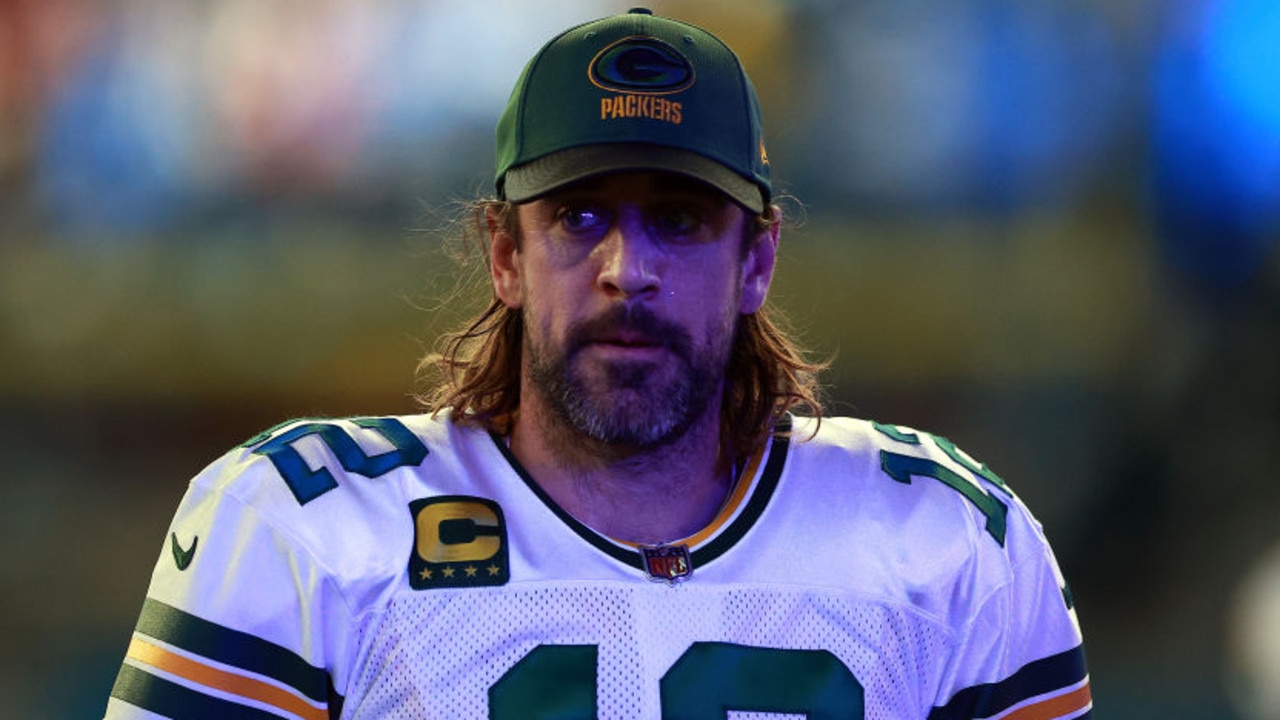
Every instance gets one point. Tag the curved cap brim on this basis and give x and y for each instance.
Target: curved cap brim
(546, 174)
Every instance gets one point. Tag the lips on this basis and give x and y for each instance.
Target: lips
(629, 349)
(631, 339)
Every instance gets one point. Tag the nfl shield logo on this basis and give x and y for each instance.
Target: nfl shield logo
(667, 563)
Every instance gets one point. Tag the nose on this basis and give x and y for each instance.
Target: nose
(629, 263)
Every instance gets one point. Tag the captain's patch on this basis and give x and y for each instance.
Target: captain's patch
(458, 542)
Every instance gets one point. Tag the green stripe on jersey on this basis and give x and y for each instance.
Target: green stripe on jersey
(232, 647)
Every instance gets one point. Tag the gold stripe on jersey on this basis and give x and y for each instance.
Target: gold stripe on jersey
(1058, 706)
(218, 679)
(737, 496)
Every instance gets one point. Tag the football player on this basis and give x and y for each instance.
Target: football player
(612, 506)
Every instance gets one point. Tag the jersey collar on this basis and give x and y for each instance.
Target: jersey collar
(752, 491)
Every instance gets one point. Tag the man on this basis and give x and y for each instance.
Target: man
(610, 510)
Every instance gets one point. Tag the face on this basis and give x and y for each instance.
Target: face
(631, 287)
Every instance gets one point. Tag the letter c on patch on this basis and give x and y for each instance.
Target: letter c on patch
(461, 530)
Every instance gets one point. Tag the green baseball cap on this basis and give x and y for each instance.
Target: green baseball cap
(633, 92)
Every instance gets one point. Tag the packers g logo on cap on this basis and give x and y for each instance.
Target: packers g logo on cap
(640, 70)
(458, 541)
(641, 65)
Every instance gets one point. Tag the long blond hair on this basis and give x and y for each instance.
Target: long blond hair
(477, 367)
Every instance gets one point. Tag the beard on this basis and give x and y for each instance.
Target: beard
(631, 404)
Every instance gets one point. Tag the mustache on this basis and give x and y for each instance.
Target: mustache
(635, 321)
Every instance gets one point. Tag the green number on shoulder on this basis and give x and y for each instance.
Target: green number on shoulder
(896, 433)
(910, 437)
(970, 464)
(903, 467)
(307, 484)
(705, 683)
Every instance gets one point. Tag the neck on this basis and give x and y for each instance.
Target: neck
(646, 496)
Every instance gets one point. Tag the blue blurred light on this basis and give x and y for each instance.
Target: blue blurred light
(1243, 57)
(1216, 140)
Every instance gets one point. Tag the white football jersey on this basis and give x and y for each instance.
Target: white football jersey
(408, 567)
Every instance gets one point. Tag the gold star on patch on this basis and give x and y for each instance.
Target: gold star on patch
(471, 571)
(493, 569)
(448, 571)
(425, 574)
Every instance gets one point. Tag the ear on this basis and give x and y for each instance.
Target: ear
(757, 266)
(504, 266)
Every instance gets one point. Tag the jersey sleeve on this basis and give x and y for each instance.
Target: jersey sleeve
(240, 620)
(1022, 656)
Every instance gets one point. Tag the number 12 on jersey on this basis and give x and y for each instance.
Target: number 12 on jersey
(710, 678)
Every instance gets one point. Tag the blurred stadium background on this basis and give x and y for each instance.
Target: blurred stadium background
(1044, 228)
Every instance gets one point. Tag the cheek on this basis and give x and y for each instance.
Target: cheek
(710, 288)
(547, 311)
(551, 274)
(710, 305)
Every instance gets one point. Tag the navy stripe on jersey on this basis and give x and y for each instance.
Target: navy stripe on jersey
(233, 647)
(1056, 672)
(157, 695)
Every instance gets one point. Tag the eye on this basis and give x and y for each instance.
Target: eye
(582, 220)
(679, 223)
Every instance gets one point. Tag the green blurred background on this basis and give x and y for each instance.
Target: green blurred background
(1044, 228)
